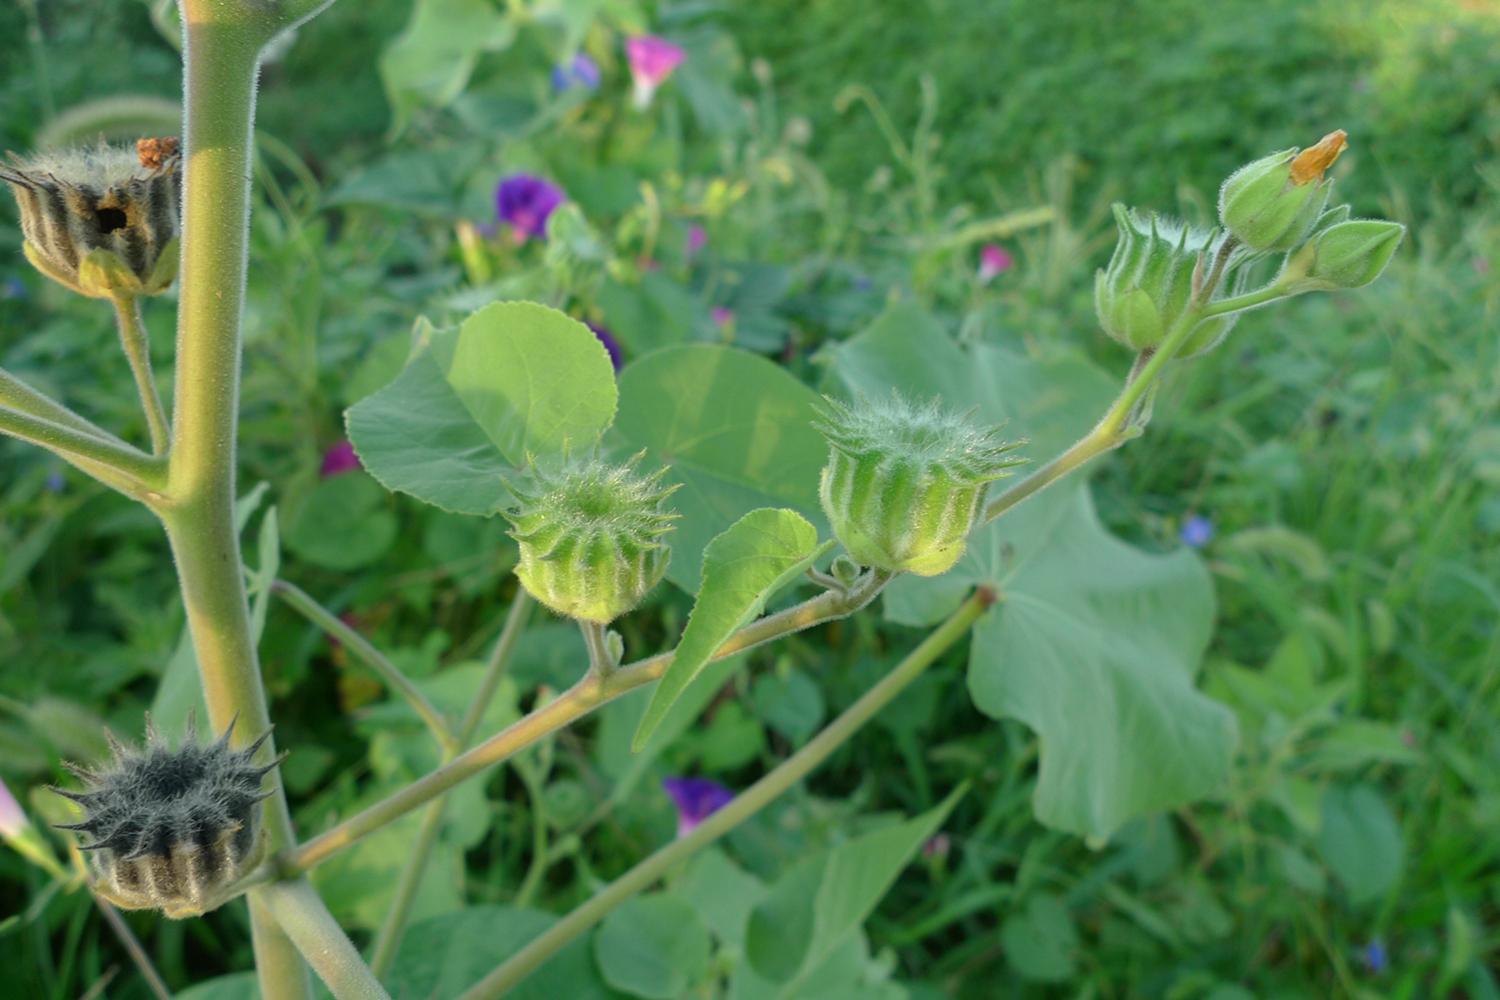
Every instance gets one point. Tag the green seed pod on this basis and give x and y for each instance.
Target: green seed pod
(1272, 203)
(172, 830)
(1149, 282)
(904, 483)
(102, 222)
(591, 538)
(1344, 255)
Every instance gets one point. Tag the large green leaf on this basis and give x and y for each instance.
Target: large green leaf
(737, 431)
(1096, 644)
(653, 946)
(516, 379)
(819, 903)
(758, 555)
(1361, 841)
(444, 956)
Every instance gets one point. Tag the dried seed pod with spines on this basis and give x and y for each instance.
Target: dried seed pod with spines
(905, 482)
(172, 830)
(590, 536)
(102, 221)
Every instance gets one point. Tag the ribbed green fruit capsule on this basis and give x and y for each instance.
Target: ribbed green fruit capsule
(590, 536)
(1149, 282)
(1272, 203)
(102, 222)
(172, 830)
(904, 483)
(1348, 254)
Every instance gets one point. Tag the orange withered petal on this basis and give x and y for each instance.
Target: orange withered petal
(1312, 161)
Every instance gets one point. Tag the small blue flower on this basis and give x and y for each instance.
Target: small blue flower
(1197, 531)
(524, 201)
(581, 72)
(1377, 960)
(55, 482)
(696, 800)
(13, 288)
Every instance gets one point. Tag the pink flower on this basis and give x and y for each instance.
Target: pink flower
(993, 259)
(722, 315)
(697, 239)
(12, 819)
(338, 460)
(652, 59)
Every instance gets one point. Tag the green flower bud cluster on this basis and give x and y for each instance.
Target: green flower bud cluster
(1150, 281)
(904, 483)
(172, 830)
(102, 222)
(590, 536)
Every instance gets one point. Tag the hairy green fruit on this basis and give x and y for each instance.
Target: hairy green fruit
(590, 536)
(1272, 203)
(904, 483)
(172, 830)
(1149, 282)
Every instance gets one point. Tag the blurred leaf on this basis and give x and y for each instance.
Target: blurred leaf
(431, 183)
(1361, 842)
(428, 64)
(237, 986)
(724, 893)
(737, 432)
(652, 946)
(444, 956)
(345, 523)
(515, 379)
(1040, 942)
(755, 557)
(791, 704)
(815, 906)
(656, 312)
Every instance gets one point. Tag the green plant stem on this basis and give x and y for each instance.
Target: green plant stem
(222, 47)
(133, 947)
(578, 701)
(300, 912)
(600, 662)
(1239, 303)
(137, 346)
(17, 395)
(112, 462)
(373, 658)
(745, 805)
(388, 939)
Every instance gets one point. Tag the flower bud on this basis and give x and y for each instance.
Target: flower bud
(904, 483)
(590, 538)
(1345, 255)
(1149, 282)
(1272, 203)
(102, 222)
(172, 830)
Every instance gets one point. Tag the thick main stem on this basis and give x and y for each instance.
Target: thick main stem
(746, 804)
(221, 54)
(300, 911)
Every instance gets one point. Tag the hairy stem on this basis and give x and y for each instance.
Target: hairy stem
(301, 914)
(137, 346)
(133, 947)
(373, 658)
(112, 462)
(601, 663)
(573, 704)
(221, 52)
(745, 805)
(389, 937)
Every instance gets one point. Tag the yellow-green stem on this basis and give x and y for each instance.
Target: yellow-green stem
(299, 910)
(742, 807)
(136, 343)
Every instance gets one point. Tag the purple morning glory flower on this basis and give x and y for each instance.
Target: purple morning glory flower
(338, 460)
(697, 239)
(1197, 531)
(616, 356)
(696, 799)
(1377, 960)
(652, 59)
(994, 259)
(524, 202)
(580, 72)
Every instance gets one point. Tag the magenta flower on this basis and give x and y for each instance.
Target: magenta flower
(524, 202)
(616, 356)
(994, 259)
(696, 799)
(697, 239)
(338, 460)
(722, 315)
(652, 59)
(12, 819)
